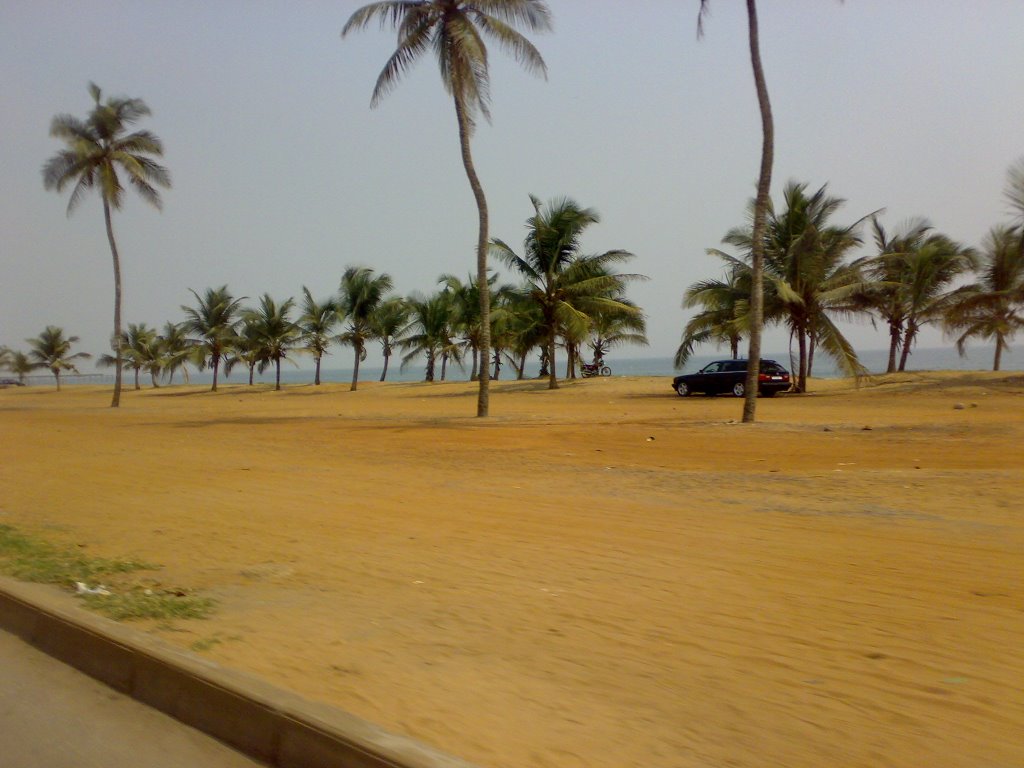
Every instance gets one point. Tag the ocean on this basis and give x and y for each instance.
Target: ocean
(925, 359)
(979, 358)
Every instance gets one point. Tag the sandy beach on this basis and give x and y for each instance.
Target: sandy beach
(606, 575)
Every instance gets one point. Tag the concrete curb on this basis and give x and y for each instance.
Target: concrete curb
(259, 720)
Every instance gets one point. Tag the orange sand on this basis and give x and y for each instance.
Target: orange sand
(603, 576)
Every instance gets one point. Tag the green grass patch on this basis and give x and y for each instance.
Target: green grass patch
(29, 558)
(150, 604)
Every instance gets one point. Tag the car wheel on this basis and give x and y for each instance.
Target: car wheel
(682, 389)
(738, 389)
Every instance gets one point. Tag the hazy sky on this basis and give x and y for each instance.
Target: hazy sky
(283, 175)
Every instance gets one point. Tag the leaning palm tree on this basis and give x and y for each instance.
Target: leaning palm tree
(455, 30)
(563, 282)
(273, 333)
(360, 294)
(316, 324)
(725, 311)
(98, 149)
(387, 323)
(761, 204)
(214, 321)
(993, 307)
(51, 350)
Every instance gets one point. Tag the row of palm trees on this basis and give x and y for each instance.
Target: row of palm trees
(915, 277)
(567, 299)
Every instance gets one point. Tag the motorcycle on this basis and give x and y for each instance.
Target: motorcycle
(596, 368)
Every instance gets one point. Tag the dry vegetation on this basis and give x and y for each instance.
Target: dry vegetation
(606, 575)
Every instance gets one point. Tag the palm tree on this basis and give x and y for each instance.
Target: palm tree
(97, 149)
(214, 320)
(886, 272)
(560, 280)
(53, 351)
(360, 295)
(992, 307)
(761, 204)
(429, 330)
(19, 363)
(808, 278)
(273, 333)
(614, 327)
(725, 314)
(1015, 197)
(316, 324)
(176, 350)
(455, 30)
(522, 330)
(387, 323)
(140, 350)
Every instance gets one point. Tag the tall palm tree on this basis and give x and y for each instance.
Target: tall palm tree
(273, 333)
(761, 204)
(563, 282)
(98, 150)
(316, 324)
(387, 323)
(360, 294)
(455, 31)
(215, 321)
(725, 314)
(51, 350)
(993, 306)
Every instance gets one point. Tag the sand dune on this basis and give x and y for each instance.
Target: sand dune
(607, 575)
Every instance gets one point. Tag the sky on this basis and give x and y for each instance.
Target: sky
(283, 176)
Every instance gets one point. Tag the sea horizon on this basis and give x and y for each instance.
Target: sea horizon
(876, 360)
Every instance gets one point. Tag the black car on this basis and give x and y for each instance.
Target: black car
(730, 376)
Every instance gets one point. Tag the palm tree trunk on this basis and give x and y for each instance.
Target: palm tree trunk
(764, 182)
(801, 381)
(56, 375)
(908, 340)
(387, 358)
(277, 382)
(444, 365)
(483, 398)
(117, 340)
(894, 345)
(355, 368)
(316, 379)
(999, 352)
(252, 372)
(216, 367)
(552, 373)
(137, 385)
(430, 367)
